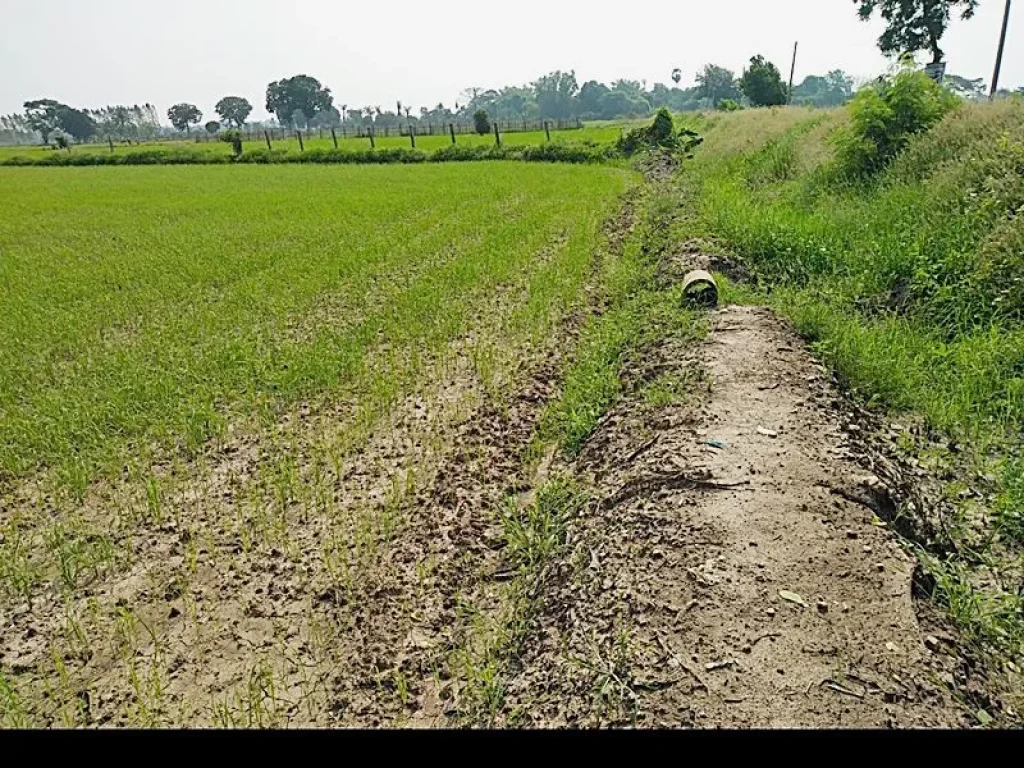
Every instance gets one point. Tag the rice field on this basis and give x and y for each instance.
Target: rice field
(214, 373)
(600, 134)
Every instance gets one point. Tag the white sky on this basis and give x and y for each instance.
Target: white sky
(102, 52)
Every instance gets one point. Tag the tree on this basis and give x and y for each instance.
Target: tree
(47, 116)
(762, 84)
(914, 25)
(329, 118)
(126, 123)
(716, 83)
(43, 116)
(831, 90)
(514, 102)
(635, 89)
(621, 104)
(677, 75)
(234, 110)
(556, 94)
(481, 123)
(301, 93)
(184, 116)
(964, 88)
(14, 129)
(590, 97)
(76, 123)
(212, 127)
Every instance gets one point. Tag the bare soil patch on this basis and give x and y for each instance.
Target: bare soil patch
(732, 570)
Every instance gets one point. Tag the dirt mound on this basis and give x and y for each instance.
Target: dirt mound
(727, 574)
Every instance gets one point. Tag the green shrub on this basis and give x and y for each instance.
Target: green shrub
(555, 152)
(234, 138)
(660, 134)
(261, 156)
(360, 157)
(885, 116)
(729, 105)
(481, 123)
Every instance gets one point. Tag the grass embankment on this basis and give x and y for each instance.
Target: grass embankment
(910, 284)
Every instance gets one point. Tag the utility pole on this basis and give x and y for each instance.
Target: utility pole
(792, 72)
(999, 55)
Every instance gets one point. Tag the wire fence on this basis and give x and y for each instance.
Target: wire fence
(350, 130)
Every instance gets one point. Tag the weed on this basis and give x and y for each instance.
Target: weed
(12, 713)
(670, 388)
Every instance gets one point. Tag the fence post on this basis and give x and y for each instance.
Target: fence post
(412, 136)
(334, 138)
(302, 147)
(547, 129)
(266, 135)
(111, 142)
(321, 132)
(497, 136)
(372, 144)
(451, 130)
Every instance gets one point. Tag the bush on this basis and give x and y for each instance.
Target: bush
(261, 156)
(555, 152)
(457, 153)
(885, 116)
(60, 139)
(729, 105)
(234, 138)
(146, 157)
(661, 134)
(762, 84)
(481, 122)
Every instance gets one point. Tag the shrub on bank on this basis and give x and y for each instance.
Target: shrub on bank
(885, 116)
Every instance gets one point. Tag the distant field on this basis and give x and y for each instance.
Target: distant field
(600, 134)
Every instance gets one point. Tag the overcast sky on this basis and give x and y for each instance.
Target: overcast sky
(100, 52)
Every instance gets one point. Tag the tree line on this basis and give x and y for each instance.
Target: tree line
(302, 102)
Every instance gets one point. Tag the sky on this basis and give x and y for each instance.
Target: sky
(100, 52)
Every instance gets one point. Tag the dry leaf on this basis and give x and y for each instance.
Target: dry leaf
(792, 597)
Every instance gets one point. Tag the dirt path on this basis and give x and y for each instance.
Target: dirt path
(730, 577)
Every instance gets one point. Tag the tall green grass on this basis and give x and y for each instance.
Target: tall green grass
(913, 281)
